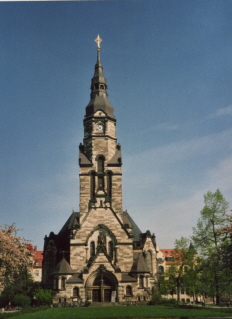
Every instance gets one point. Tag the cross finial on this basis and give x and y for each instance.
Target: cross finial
(98, 40)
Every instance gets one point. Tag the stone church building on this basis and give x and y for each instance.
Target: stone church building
(100, 254)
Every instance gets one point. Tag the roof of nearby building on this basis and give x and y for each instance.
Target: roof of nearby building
(38, 258)
(63, 268)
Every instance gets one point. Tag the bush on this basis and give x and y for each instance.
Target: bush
(43, 296)
(157, 299)
(21, 301)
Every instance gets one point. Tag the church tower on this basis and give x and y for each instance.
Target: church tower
(100, 155)
(100, 254)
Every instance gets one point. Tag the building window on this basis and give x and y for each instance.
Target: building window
(170, 259)
(128, 290)
(100, 164)
(147, 281)
(92, 249)
(100, 182)
(36, 273)
(149, 260)
(111, 249)
(141, 281)
(109, 185)
(92, 185)
(161, 270)
(76, 292)
(63, 283)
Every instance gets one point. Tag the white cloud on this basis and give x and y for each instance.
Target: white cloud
(164, 187)
(165, 127)
(224, 111)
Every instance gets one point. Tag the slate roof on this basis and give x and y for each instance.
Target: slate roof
(117, 158)
(128, 278)
(75, 279)
(63, 268)
(99, 103)
(135, 229)
(139, 263)
(83, 160)
(71, 222)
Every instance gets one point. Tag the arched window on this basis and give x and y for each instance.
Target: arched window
(100, 171)
(147, 281)
(109, 184)
(111, 249)
(149, 260)
(100, 164)
(161, 270)
(101, 182)
(63, 283)
(128, 290)
(92, 249)
(75, 292)
(92, 185)
(140, 281)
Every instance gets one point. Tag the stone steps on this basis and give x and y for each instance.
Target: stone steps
(103, 304)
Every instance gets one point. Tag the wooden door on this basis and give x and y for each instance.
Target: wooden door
(107, 295)
(96, 297)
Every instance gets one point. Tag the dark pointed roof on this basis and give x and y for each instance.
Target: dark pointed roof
(71, 223)
(63, 268)
(99, 97)
(135, 229)
(83, 159)
(139, 264)
(116, 160)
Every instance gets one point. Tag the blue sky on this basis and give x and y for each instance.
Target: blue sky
(169, 70)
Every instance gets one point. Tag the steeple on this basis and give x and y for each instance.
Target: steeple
(99, 96)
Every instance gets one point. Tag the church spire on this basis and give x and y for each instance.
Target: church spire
(99, 96)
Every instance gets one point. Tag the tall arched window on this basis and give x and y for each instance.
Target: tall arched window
(92, 249)
(140, 281)
(161, 270)
(100, 171)
(149, 260)
(92, 185)
(63, 283)
(111, 249)
(75, 292)
(100, 164)
(109, 185)
(128, 290)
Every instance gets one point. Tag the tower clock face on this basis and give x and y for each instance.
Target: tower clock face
(99, 127)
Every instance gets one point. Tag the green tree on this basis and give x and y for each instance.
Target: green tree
(209, 240)
(182, 271)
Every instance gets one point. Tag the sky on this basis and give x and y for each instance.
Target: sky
(169, 70)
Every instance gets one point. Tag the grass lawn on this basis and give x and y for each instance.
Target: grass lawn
(122, 313)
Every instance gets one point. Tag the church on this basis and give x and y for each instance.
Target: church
(100, 254)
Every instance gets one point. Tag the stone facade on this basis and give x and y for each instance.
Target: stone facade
(100, 254)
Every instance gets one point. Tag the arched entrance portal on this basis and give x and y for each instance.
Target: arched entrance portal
(101, 286)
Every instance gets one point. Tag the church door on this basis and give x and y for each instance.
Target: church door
(107, 295)
(96, 295)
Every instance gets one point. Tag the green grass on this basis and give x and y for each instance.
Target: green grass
(123, 312)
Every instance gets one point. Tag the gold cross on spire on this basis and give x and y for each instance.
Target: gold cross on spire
(98, 40)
